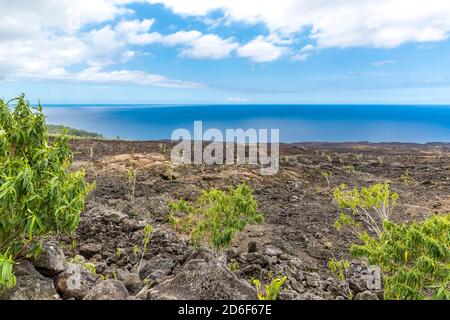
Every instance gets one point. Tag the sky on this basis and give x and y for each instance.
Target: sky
(226, 51)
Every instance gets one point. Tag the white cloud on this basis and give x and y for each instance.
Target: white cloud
(304, 53)
(136, 32)
(382, 63)
(130, 77)
(181, 37)
(209, 46)
(237, 99)
(127, 56)
(46, 40)
(200, 46)
(373, 23)
(261, 50)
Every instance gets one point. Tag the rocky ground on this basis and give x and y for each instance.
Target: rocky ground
(105, 260)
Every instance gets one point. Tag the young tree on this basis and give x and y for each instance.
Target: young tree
(216, 216)
(372, 205)
(39, 194)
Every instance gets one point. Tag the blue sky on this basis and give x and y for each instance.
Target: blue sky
(217, 51)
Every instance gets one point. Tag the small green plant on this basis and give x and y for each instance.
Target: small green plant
(349, 168)
(406, 178)
(73, 245)
(380, 161)
(81, 261)
(118, 253)
(148, 230)
(271, 291)
(233, 266)
(216, 216)
(39, 194)
(414, 259)
(327, 157)
(372, 205)
(131, 174)
(327, 175)
(339, 268)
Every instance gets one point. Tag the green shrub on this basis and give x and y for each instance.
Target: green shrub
(216, 216)
(38, 192)
(372, 205)
(414, 259)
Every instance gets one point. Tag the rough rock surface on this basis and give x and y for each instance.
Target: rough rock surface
(202, 279)
(131, 281)
(52, 259)
(296, 241)
(31, 285)
(107, 290)
(75, 281)
(155, 268)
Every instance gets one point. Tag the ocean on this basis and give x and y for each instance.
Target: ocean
(297, 123)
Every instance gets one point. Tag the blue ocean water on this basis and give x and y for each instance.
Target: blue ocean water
(297, 123)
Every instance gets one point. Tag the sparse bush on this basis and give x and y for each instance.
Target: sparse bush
(339, 267)
(38, 192)
(327, 175)
(148, 230)
(380, 161)
(131, 174)
(372, 205)
(349, 168)
(406, 179)
(216, 216)
(414, 259)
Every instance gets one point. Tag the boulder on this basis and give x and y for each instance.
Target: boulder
(75, 281)
(257, 258)
(91, 249)
(31, 285)
(200, 279)
(132, 281)
(107, 290)
(313, 280)
(366, 295)
(110, 215)
(273, 251)
(253, 246)
(51, 261)
(155, 268)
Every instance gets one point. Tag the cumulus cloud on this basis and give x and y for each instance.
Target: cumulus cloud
(200, 46)
(260, 50)
(373, 23)
(46, 40)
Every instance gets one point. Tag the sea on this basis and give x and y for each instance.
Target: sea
(296, 123)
